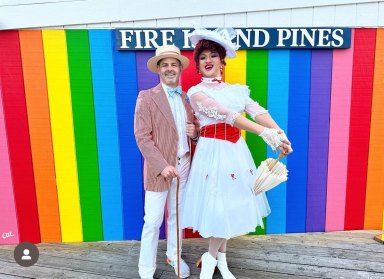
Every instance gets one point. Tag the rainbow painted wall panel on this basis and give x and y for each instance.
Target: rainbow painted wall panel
(70, 169)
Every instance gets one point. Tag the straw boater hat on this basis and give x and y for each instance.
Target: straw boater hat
(166, 52)
(222, 36)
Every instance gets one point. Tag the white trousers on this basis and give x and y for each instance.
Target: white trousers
(154, 216)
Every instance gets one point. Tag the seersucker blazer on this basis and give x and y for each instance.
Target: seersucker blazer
(156, 135)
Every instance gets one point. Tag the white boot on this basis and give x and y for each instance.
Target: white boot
(223, 267)
(208, 264)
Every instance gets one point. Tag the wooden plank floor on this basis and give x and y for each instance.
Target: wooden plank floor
(352, 254)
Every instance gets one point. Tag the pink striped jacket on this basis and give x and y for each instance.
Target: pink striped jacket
(156, 135)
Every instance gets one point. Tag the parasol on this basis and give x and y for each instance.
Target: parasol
(269, 174)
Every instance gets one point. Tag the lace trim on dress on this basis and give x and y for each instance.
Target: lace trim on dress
(210, 112)
(232, 118)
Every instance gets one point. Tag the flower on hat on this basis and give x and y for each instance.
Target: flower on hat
(222, 36)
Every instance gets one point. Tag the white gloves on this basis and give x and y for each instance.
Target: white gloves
(283, 137)
(271, 137)
(275, 138)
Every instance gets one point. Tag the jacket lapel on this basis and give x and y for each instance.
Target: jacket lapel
(162, 103)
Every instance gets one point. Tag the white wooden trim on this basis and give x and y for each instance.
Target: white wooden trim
(59, 13)
(367, 15)
(280, 18)
(171, 8)
(168, 22)
(324, 16)
(235, 20)
(258, 19)
(164, 13)
(212, 21)
(145, 23)
(302, 17)
(30, 2)
(105, 25)
(190, 21)
(345, 15)
(76, 26)
(381, 14)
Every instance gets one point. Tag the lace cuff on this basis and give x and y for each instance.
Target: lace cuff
(211, 112)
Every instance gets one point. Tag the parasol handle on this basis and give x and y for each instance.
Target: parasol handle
(177, 227)
(273, 164)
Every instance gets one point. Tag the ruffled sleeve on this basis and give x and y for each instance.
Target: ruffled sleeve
(209, 107)
(252, 107)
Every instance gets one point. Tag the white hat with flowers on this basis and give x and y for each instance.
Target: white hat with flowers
(222, 36)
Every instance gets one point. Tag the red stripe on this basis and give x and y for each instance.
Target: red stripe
(362, 85)
(189, 77)
(16, 122)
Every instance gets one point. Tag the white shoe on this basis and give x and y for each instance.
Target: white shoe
(208, 265)
(223, 267)
(184, 268)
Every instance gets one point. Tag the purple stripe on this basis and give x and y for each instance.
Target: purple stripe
(145, 78)
(321, 73)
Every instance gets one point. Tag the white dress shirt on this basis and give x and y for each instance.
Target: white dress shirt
(180, 116)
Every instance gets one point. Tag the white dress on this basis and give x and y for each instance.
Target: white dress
(218, 200)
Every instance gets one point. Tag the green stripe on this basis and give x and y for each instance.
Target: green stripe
(257, 80)
(85, 133)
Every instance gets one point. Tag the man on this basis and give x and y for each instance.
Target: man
(163, 123)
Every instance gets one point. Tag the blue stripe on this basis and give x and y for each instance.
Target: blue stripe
(298, 123)
(130, 156)
(278, 88)
(107, 134)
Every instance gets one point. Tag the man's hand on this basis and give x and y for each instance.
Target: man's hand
(169, 172)
(191, 130)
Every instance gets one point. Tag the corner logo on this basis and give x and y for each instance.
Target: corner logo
(6, 235)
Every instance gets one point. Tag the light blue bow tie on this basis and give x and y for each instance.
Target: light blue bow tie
(173, 91)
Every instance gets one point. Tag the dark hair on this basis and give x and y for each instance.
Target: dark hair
(211, 46)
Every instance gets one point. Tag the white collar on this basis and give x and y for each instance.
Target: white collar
(216, 80)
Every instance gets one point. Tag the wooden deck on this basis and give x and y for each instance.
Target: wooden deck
(351, 254)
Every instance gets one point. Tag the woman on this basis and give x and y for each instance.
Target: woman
(219, 200)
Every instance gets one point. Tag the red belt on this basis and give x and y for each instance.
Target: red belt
(221, 131)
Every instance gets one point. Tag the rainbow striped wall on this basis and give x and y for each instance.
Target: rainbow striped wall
(70, 169)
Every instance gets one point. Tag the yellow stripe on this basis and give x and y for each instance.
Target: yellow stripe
(235, 71)
(59, 95)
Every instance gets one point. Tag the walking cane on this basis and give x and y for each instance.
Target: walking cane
(177, 227)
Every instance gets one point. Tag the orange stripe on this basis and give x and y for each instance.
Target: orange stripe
(40, 134)
(374, 202)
